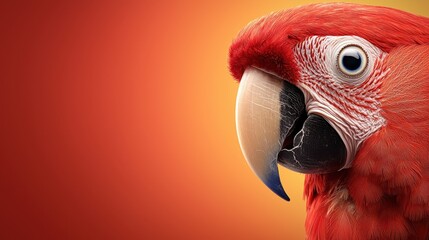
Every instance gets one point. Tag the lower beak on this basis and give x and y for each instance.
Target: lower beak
(272, 126)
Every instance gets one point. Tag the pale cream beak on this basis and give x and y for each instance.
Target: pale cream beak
(258, 125)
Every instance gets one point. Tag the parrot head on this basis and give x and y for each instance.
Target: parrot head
(334, 88)
(340, 92)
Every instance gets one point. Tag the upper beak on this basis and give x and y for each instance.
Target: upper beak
(272, 126)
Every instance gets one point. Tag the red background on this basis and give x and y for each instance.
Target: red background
(117, 122)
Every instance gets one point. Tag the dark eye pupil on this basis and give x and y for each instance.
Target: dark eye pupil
(352, 61)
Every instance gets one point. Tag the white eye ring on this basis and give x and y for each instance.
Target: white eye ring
(352, 60)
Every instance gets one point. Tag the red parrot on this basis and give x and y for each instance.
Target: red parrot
(340, 92)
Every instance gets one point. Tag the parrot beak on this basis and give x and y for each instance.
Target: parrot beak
(272, 126)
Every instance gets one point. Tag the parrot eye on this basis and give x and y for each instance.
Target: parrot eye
(352, 60)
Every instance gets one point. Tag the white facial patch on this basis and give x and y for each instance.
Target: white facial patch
(341, 78)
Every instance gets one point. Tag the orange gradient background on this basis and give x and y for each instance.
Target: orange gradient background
(117, 122)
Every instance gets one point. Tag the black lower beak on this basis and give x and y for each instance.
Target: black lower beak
(317, 148)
